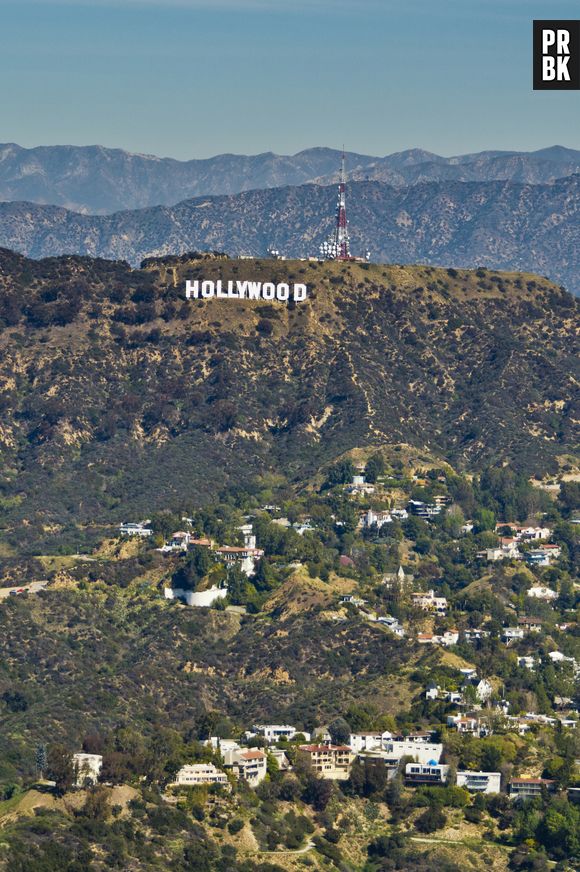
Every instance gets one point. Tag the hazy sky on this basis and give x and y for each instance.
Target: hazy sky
(192, 78)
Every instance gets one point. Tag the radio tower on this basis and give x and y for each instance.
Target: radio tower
(337, 246)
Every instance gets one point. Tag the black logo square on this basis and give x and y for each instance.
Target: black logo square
(556, 55)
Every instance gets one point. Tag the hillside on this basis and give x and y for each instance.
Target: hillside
(497, 224)
(99, 180)
(118, 396)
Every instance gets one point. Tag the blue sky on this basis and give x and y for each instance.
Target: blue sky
(193, 78)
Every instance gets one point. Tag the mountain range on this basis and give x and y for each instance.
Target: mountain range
(93, 179)
(497, 224)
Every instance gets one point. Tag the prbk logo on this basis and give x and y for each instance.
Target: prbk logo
(556, 55)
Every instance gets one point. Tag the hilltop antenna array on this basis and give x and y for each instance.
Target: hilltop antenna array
(337, 246)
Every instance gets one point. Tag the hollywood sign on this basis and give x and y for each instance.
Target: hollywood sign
(242, 290)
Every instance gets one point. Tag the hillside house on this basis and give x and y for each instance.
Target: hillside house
(199, 773)
(131, 529)
(512, 634)
(483, 690)
(273, 733)
(245, 557)
(379, 518)
(530, 625)
(87, 768)
(425, 773)
(328, 761)
(448, 638)
(527, 662)
(476, 634)
(529, 788)
(479, 782)
(427, 511)
(468, 724)
(422, 752)
(541, 592)
(428, 602)
(248, 764)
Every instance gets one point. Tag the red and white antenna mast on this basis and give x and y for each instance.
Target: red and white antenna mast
(342, 244)
(337, 246)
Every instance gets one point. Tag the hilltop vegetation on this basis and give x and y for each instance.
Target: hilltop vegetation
(119, 396)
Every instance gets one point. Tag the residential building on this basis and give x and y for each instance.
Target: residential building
(538, 557)
(483, 690)
(427, 511)
(224, 746)
(476, 634)
(379, 518)
(449, 637)
(426, 773)
(199, 773)
(428, 602)
(541, 592)
(432, 691)
(512, 634)
(87, 768)
(467, 724)
(329, 761)
(360, 486)
(370, 741)
(479, 782)
(392, 624)
(530, 625)
(130, 529)
(281, 759)
(527, 662)
(248, 764)
(273, 733)
(422, 752)
(245, 557)
(528, 788)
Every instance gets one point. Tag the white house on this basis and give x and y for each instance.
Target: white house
(273, 733)
(449, 637)
(426, 773)
(369, 741)
(87, 768)
(512, 634)
(527, 662)
(378, 518)
(428, 602)
(199, 773)
(422, 752)
(432, 691)
(479, 782)
(543, 593)
(245, 557)
(483, 690)
(130, 529)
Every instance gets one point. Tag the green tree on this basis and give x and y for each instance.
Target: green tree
(60, 768)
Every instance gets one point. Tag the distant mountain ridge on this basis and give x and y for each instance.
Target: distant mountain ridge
(98, 180)
(496, 224)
